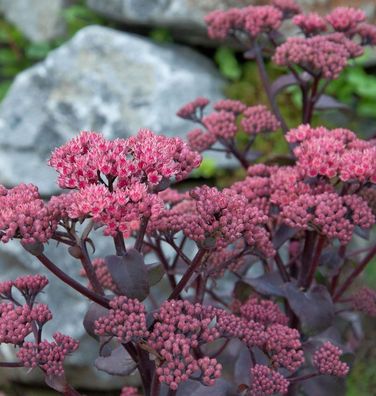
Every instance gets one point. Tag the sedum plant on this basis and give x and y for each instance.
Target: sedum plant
(241, 291)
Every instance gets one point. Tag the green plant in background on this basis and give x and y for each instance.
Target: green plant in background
(161, 35)
(18, 53)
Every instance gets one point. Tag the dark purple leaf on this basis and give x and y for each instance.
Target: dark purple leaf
(324, 386)
(283, 234)
(242, 366)
(195, 388)
(314, 308)
(330, 261)
(269, 284)
(283, 82)
(362, 232)
(242, 291)
(155, 273)
(327, 102)
(118, 363)
(130, 274)
(94, 312)
(250, 54)
(56, 382)
(35, 248)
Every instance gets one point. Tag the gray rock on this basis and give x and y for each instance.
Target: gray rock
(39, 21)
(184, 17)
(101, 80)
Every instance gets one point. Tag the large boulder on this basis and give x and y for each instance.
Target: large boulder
(186, 17)
(39, 21)
(101, 80)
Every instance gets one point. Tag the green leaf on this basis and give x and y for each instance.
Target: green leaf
(207, 169)
(38, 51)
(161, 35)
(228, 64)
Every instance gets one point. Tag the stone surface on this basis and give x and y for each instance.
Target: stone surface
(186, 17)
(101, 80)
(39, 20)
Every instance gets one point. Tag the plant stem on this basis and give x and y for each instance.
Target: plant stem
(161, 256)
(11, 364)
(302, 377)
(311, 101)
(281, 268)
(315, 262)
(89, 269)
(119, 244)
(187, 276)
(309, 244)
(334, 282)
(350, 279)
(72, 282)
(265, 81)
(141, 233)
(155, 386)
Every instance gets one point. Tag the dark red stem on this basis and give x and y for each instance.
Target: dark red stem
(72, 282)
(315, 262)
(119, 244)
(11, 364)
(265, 82)
(89, 269)
(350, 279)
(281, 268)
(141, 233)
(187, 276)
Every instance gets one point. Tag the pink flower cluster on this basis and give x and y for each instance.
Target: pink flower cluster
(115, 179)
(324, 56)
(253, 20)
(364, 300)
(146, 157)
(336, 216)
(259, 119)
(179, 329)
(231, 326)
(284, 347)
(193, 110)
(310, 24)
(287, 7)
(223, 217)
(222, 125)
(226, 216)
(129, 391)
(200, 140)
(49, 356)
(263, 311)
(367, 33)
(16, 321)
(346, 19)
(30, 285)
(126, 320)
(331, 153)
(120, 210)
(24, 215)
(267, 382)
(327, 360)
